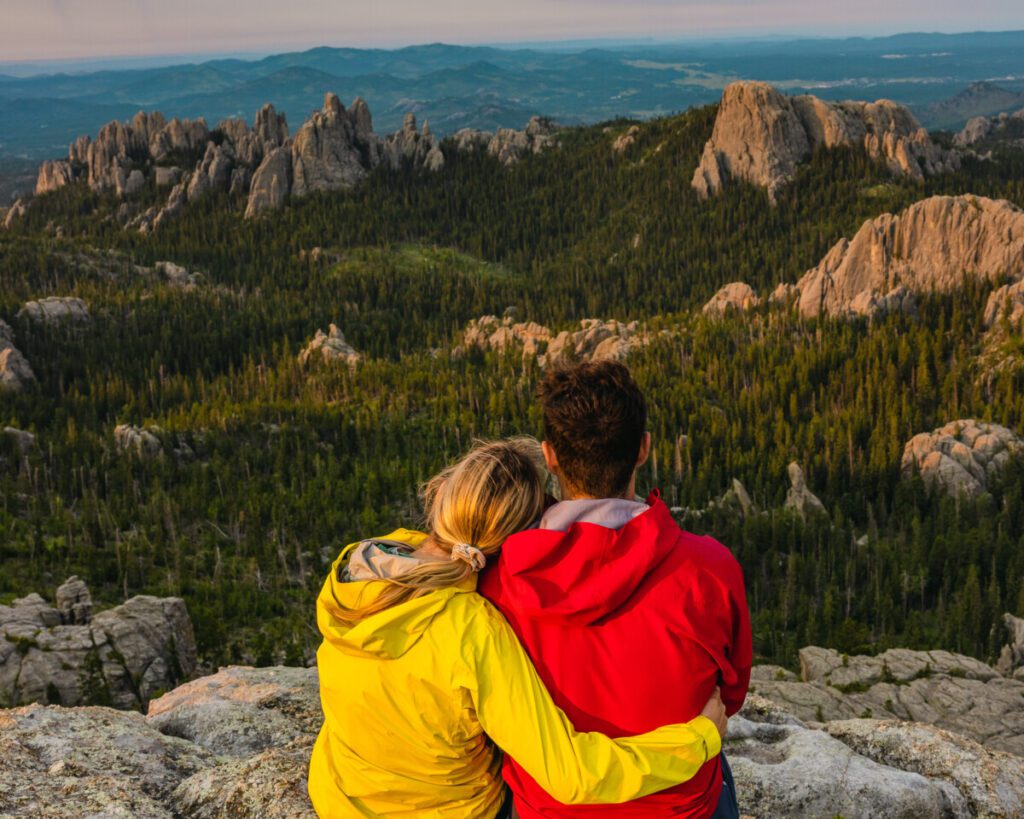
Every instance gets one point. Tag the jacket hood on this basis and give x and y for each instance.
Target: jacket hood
(586, 572)
(387, 634)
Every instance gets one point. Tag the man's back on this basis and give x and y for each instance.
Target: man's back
(630, 627)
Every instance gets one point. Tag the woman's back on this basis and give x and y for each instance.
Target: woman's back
(400, 733)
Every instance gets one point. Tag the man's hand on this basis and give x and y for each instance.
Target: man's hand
(715, 711)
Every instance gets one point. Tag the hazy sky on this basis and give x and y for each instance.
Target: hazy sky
(54, 29)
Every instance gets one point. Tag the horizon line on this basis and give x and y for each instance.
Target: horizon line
(509, 45)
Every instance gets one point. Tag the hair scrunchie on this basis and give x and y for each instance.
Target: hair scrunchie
(470, 554)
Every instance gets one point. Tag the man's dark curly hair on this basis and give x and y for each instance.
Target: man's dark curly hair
(594, 418)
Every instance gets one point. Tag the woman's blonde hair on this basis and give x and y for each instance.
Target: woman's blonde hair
(495, 490)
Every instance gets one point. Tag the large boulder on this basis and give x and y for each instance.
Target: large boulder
(54, 310)
(15, 371)
(932, 246)
(1011, 658)
(784, 768)
(761, 136)
(939, 688)
(331, 346)
(67, 655)
(737, 296)
(990, 782)
(962, 456)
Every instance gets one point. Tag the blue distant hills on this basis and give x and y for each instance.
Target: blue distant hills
(487, 87)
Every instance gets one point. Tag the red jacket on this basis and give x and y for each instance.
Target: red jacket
(630, 629)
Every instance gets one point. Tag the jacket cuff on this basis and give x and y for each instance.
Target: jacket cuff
(707, 731)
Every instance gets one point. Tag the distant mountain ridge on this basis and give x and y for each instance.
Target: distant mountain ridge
(489, 87)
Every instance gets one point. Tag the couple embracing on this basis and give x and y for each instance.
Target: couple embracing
(525, 657)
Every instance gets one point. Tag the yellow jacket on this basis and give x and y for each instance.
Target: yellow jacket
(411, 694)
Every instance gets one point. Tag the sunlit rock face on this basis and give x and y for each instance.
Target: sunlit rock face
(932, 246)
(761, 136)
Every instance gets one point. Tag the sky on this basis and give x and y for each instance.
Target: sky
(65, 29)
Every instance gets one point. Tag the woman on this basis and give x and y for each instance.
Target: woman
(420, 677)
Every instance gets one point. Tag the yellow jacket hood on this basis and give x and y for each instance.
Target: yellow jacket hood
(387, 634)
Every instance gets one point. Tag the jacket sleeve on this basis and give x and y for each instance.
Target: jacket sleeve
(741, 646)
(516, 711)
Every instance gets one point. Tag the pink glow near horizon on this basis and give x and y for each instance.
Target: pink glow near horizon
(57, 29)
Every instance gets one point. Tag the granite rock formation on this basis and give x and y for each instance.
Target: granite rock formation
(137, 440)
(595, 340)
(761, 136)
(984, 129)
(68, 656)
(15, 371)
(237, 744)
(14, 213)
(23, 440)
(334, 149)
(962, 456)
(931, 246)
(737, 296)
(408, 145)
(799, 498)
(508, 144)
(55, 310)
(331, 346)
(939, 688)
(271, 183)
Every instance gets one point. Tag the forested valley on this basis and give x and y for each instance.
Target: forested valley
(271, 466)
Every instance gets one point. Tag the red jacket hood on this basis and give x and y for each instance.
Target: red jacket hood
(587, 572)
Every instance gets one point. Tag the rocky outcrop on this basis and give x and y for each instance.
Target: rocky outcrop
(783, 767)
(761, 136)
(962, 456)
(410, 146)
(1002, 127)
(1011, 658)
(237, 744)
(930, 247)
(938, 688)
(137, 441)
(24, 442)
(54, 310)
(14, 213)
(625, 140)
(179, 136)
(213, 173)
(65, 655)
(1005, 304)
(508, 144)
(53, 175)
(334, 149)
(737, 296)
(595, 340)
(799, 498)
(271, 183)
(331, 346)
(15, 371)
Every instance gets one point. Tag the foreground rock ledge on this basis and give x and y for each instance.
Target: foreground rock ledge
(237, 744)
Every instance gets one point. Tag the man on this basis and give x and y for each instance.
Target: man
(630, 620)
